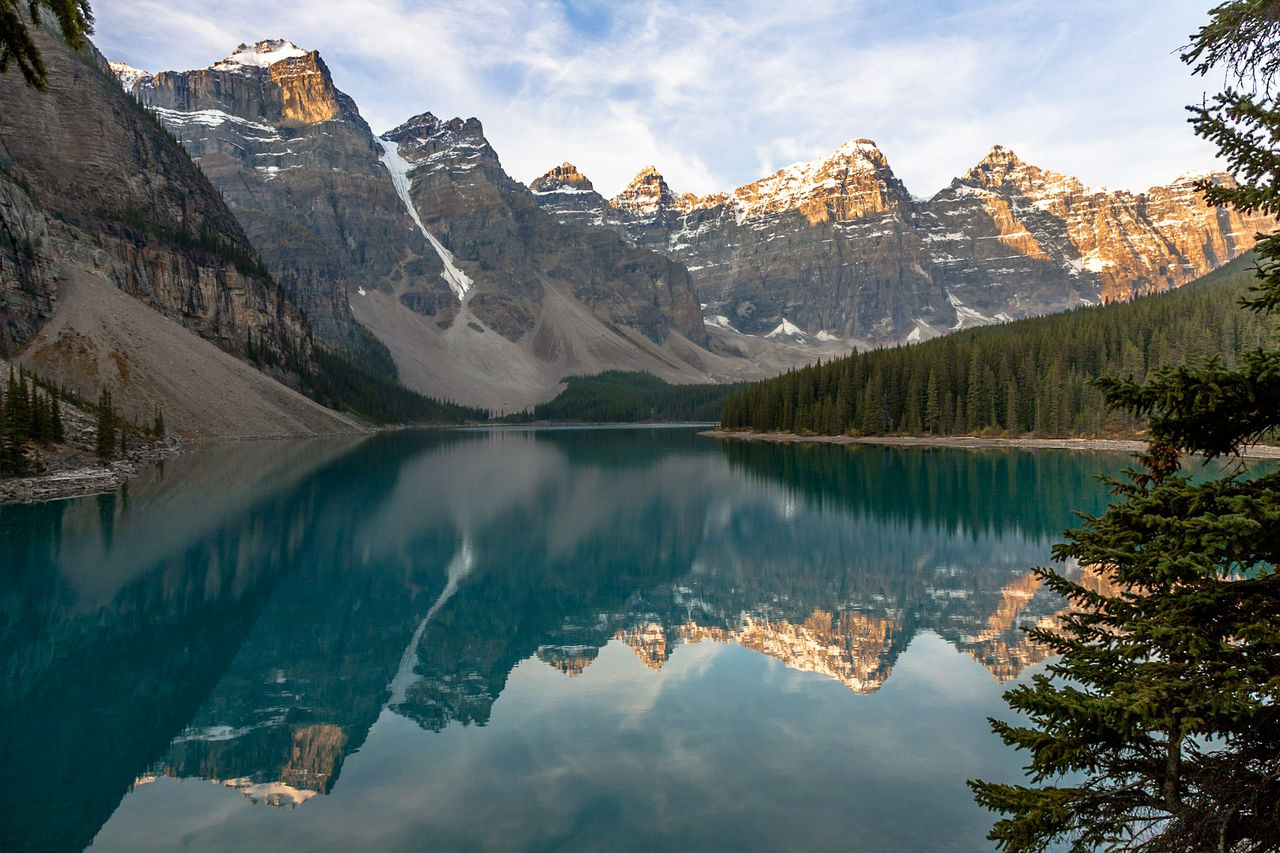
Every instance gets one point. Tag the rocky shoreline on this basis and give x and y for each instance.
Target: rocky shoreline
(971, 442)
(75, 477)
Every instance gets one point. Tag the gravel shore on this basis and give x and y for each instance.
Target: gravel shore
(968, 441)
(73, 475)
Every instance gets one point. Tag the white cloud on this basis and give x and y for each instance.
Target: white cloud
(722, 93)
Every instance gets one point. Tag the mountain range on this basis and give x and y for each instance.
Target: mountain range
(420, 236)
(837, 249)
(413, 252)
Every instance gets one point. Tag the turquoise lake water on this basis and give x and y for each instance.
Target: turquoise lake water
(526, 640)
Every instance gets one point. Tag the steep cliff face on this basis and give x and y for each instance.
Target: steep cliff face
(819, 251)
(1109, 245)
(837, 249)
(421, 236)
(494, 226)
(91, 181)
(94, 194)
(300, 168)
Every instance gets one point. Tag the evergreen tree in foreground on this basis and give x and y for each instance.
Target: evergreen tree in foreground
(75, 20)
(1157, 729)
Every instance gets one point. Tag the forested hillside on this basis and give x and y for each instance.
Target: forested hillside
(364, 382)
(1028, 377)
(619, 396)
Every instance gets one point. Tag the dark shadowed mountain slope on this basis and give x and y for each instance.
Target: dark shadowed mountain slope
(120, 265)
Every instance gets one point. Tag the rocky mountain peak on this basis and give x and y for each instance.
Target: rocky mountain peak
(460, 142)
(563, 178)
(425, 129)
(646, 195)
(862, 151)
(1001, 169)
(1201, 176)
(273, 81)
(128, 75)
(422, 125)
(262, 54)
(1001, 157)
(852, 182)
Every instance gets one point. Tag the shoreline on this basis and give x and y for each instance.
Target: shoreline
(98, 479)
(78, 473)
(86, 480)
(967, 442)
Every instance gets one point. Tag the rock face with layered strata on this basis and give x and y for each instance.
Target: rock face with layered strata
(494, 224)
(90, 180)
(566, 193)
(1052, 230)
(422, 237)
(300, 167)
(837, 248)
(117, 257)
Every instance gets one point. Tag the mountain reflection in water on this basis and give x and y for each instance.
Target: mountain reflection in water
(250, 613)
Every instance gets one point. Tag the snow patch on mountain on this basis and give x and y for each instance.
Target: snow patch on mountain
(459, 282)
(128, 75)
(214, 118)
(271, 793)
(966, 317)
(720, 321)
(459, 567)
(564, 190)
(787, 329)
(261, 54)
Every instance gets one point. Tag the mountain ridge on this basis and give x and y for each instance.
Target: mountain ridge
(835, 246)
(815, 259)
(420, 236)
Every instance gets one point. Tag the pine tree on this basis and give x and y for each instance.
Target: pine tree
(74, 20)
(1158, 728)
(932, 406)
(55, 416)
(106, 426)
(14, 461)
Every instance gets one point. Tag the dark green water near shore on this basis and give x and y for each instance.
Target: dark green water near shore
(525, 640)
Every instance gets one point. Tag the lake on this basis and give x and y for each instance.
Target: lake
(526, 640)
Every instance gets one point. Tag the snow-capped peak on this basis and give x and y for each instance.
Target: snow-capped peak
(849, 183)
(862, 153)
(860, 149)
(260, 54)
(647, 194)
(1199, 175)
(127, 74)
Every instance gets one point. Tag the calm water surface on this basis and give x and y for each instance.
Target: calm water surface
(525, 640)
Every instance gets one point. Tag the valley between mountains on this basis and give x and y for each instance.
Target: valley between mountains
(244, 215)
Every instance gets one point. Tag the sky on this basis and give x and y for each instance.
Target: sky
(718, 93)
